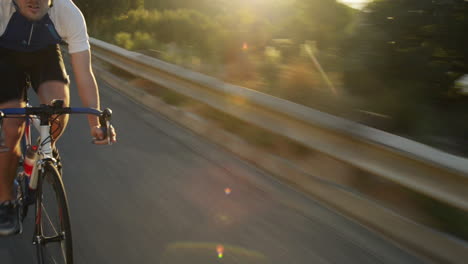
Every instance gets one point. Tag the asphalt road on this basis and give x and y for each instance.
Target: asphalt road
(165, 195)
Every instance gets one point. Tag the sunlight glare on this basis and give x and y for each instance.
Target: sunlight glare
(358, 4)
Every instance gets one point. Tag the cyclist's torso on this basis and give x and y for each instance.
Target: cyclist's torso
(63, 23)
(23, 35)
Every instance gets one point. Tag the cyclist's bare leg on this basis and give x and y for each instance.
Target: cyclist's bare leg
(13, 130)
(49, 91)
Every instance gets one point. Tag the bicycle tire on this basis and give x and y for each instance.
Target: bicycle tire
(50, 214)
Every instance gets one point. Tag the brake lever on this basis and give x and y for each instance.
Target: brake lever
(109, 130)
(105, 123)
(106, 129)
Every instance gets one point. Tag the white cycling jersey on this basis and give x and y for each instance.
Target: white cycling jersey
(66, 20)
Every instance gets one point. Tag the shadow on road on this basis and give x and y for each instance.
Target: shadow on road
(19, 248)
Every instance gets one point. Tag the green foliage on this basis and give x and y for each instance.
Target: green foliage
(299, 82)
(134, 41)
(143, 40)
(400, 55)
(271, 67)
(404, 57)
(124, 40)
(218, 29)
(324, 21)
(94, 10)
(204, 6)
(417, 41)
(187, 28)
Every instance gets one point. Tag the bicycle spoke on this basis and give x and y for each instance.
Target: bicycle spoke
(48, 218)
(58, 235)
(53, 259)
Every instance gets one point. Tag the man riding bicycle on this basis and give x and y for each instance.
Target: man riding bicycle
(30, 34)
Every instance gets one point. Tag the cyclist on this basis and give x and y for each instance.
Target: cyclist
(30, 34)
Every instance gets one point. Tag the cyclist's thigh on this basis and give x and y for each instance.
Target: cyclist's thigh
(13, 79)
(49, 75)
(51, 90)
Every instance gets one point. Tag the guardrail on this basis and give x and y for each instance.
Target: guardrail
(421, 168)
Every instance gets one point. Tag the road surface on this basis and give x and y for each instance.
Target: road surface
(165, 195)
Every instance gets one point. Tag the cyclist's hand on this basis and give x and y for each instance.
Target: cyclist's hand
(99, 135)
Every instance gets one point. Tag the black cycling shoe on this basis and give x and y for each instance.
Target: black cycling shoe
(9, 219)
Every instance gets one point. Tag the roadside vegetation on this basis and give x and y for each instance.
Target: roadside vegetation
(392, 65)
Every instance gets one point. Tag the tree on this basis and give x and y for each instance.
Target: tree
(413, 40)
(323, 21)
(404, 57)
(94, 10)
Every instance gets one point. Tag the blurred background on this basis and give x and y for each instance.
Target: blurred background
(397, 65)
(400, 66)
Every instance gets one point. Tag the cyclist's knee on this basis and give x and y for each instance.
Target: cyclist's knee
(12, 131)
(51, 90)
(12, 127)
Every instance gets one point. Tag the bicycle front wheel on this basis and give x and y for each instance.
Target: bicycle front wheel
(52, 234)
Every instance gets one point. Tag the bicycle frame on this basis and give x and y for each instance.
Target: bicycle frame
(43, 126)
(44, 151)
(46, 172)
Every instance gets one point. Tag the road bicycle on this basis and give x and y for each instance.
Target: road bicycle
(41, 184)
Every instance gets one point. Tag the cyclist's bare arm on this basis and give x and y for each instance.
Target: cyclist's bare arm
(87, 87)
(88, 91)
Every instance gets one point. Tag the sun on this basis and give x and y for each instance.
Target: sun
(358, 4)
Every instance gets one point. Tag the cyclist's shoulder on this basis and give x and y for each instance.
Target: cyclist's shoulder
(64, 6)
(6, 4)
(66, 12)
(6, 11)
(6, 7)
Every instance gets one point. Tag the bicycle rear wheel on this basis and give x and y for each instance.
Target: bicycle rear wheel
(52, 234)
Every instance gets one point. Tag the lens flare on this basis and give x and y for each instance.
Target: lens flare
(220, 250)
(245, 46)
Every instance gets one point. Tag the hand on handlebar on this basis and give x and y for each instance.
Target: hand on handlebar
(99, 135)
(105, 133)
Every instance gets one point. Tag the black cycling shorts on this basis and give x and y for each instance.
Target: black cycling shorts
(19, 70)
